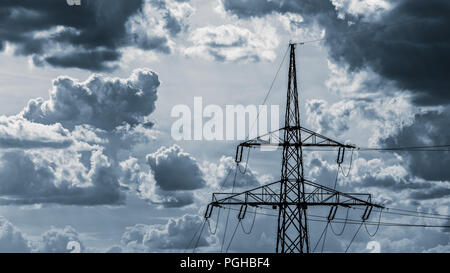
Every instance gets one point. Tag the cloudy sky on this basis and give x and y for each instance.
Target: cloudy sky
(86, 93)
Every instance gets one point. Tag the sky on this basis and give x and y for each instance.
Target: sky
(86, 99)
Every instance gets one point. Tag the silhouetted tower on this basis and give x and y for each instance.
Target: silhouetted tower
(292, 194)
(292, 235)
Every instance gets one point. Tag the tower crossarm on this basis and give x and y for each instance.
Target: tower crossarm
(309, 138)
(268, 195)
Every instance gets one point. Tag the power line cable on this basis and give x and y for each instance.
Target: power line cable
(321, 235)
(222, 185)
(355, 221)
(343, 227)
(251, 227)
(378, 226)
(420, 212)
(246, 163)
(431, 148)
(192, 239)
(232, 236)
(407, 148)
(228, 215)
(354, 236)
(199, 236)
(268, 92)
(337, 175)
(417, 215)
(440, 217)
(217, 223)
(349, 167)
(324, 237)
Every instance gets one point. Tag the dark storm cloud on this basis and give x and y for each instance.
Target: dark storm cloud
(88, 36)
(87, 28)
(176, 174)
(393, 183)
(91, 60)
(174, 169)
(152, 43)
(258, 8)
(438, 192)
(430, 127)
(94, 23)
(407, 44)
(27, 144)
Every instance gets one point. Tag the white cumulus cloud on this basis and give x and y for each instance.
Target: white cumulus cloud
(233, 43)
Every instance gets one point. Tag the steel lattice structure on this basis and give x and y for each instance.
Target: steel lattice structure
(292, 194)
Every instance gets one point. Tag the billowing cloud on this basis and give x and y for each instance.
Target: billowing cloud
(99, 101)
(222, 174)
(11, 239)
(174, 169)
(371, 10)
(334, 118)
(80, 131)
(57, 177)
(16, 132)
(176, 234)
(386, 178)
(57, 240)
(361, 108)
(233, 43)
(159, 20)
(175, 176)
(174, 14)
(135, 177)
(64, 150)
(92, 34)
(54, 240)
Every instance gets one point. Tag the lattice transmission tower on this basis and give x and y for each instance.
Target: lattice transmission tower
(293, 193)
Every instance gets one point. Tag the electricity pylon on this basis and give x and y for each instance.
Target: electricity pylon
(292, 194)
